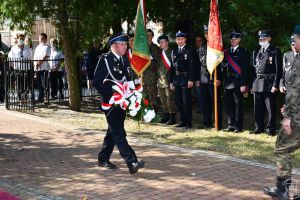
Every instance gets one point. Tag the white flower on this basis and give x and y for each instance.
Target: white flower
(133, 113)
(150, 114)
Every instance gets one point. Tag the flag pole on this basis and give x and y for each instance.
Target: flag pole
(216, 100)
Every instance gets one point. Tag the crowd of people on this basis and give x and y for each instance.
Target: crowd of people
(46, 60)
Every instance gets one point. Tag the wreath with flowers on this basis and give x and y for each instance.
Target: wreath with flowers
(130, 97)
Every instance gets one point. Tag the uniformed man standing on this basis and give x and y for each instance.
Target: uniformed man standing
(113, 66)
(150, 75)
(205, 84)
(236, 81)
(201, 48)
(267, 62)
(183, 77)
(288, 139)
(288, 60)
(166, 95)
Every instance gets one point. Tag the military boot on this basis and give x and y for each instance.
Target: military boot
(164, 118)
(280, 190)
(172, 119)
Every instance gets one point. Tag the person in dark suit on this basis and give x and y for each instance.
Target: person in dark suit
(267, 63)
(236, 80)
(114, 66)
(205, 87)
(182, 78)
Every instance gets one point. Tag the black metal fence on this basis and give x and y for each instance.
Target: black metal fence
(26, 88)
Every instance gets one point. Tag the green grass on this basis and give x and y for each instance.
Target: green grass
(243, 145)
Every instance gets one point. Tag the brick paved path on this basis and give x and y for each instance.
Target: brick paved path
(43, 161)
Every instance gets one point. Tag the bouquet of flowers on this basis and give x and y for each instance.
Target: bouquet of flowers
(132, 99)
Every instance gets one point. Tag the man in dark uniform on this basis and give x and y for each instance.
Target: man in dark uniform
(288, 139)
(236, 81)
(183, 77)
(288, 60)
(205, 85)
(114, 66)
(267, 62)
(201, 55)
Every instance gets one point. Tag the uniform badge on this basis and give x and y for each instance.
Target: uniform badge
(270, 60)
(115, 59)
(185, 56)
(115, 69)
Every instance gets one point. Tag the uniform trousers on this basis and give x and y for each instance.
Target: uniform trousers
(207, 91)
(284, 147)
(265, 101)
(184, 104)
(116, 135)
(234, 108)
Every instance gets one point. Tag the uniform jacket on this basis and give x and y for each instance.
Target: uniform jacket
(114, 70)
(267, 69)
(232, 79)
(183, 66)
(150, 75)
(163, 73)
(292, 105)
(202, 73)
(288, 60)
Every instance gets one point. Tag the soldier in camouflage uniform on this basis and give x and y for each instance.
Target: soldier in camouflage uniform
(150, 75)
(288, 139)
(288, 60)
(166, 95)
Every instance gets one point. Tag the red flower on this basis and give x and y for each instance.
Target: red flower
(146, 102)
(137, 104)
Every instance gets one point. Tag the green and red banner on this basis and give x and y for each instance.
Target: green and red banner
(140, 52)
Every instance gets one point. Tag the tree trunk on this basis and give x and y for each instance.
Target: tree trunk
(70, 58)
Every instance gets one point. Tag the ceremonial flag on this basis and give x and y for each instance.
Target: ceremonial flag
(215, 53)
(140, 52)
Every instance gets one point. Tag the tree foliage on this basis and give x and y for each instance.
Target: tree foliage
(79, 22)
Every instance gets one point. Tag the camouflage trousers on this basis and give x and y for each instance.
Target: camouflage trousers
(167, 99)
(285, 146)
(150, 89)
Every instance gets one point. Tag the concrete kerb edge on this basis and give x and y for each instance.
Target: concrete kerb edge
(150, 142)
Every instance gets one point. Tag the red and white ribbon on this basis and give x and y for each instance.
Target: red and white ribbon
(165, 60)
(123, 91)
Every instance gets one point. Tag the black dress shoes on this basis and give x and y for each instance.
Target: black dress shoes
(257, 131)
(188, 126)
(106, 164)
(237, 130)
(271, 132)
(229, 129)
(182, 124)
(134, 167)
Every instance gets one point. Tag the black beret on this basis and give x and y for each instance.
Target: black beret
(162, 37)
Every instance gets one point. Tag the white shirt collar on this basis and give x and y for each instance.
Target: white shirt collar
(234, 48)
(181, 47)
(116, 55)
(266, 47)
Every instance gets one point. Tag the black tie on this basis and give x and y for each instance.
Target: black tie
(232, 50)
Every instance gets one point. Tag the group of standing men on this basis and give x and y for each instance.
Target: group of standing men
(174, 72)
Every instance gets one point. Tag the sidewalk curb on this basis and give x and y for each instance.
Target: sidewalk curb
(149, 142)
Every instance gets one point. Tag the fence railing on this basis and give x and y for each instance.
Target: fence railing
(27, 87)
